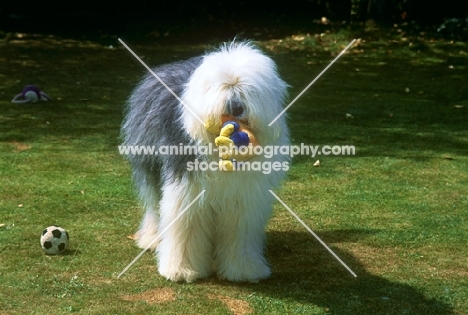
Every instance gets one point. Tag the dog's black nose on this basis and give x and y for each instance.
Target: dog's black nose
(237, 111)
(235, 108)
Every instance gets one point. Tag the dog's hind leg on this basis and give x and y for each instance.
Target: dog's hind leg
(146, 235)
(150, 195)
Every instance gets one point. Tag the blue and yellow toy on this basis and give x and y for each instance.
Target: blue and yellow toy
(233, 135)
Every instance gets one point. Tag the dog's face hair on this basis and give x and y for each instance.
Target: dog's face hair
(249, 79)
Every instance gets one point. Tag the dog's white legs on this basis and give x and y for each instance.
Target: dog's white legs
(185, 250)
(240, 242)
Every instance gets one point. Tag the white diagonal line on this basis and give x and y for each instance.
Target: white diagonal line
(313, 81)
(159, 235)
(312, 232)
(161, 81)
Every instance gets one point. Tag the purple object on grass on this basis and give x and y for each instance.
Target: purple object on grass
(30, 93)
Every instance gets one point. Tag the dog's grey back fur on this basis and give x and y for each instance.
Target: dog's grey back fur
(152, 118)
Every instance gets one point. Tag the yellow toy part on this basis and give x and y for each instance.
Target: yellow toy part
(227, 148)
(226, 165)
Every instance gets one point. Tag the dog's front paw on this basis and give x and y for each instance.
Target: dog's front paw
(244, 270)
(180, 274)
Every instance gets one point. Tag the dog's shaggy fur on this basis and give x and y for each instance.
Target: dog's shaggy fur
(223, 232)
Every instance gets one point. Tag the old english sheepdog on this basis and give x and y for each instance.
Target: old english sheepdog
(223, 232)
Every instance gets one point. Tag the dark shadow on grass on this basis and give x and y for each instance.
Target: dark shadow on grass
(304, 271)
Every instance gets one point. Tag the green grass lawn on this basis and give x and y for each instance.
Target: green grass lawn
(396, 212)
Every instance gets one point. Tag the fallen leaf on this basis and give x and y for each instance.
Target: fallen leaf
(298, 37)
(133, 237)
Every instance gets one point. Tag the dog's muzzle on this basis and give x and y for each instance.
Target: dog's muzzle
(235, 108)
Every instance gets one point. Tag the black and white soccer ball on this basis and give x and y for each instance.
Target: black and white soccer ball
(54, 240)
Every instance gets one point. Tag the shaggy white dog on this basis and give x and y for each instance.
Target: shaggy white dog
(223, 231)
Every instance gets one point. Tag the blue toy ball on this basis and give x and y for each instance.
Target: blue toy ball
(230, 122)
(240, 138)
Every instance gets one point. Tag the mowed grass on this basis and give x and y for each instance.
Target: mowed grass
(395, 212)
